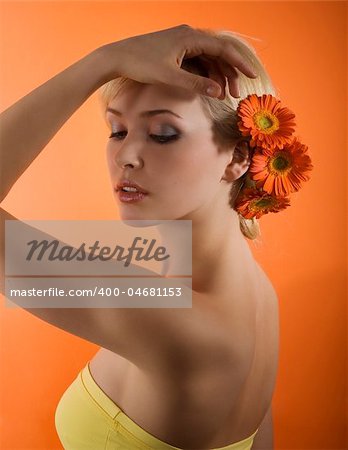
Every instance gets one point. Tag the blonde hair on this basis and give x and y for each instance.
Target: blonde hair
(223, 113)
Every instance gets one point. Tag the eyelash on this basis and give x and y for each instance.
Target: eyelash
(155, 137)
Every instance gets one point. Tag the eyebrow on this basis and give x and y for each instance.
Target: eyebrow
(151, 113)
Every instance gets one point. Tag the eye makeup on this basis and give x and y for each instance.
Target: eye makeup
(165, 133)
(160, 139)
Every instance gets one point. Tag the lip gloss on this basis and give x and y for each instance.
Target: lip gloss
(130, 197)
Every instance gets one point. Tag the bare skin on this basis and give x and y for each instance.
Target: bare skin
(211, 354)
(226, 346)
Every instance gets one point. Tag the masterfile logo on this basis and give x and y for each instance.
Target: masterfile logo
(98, 264)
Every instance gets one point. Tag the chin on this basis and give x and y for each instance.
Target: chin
(140, 223)
(138, 219)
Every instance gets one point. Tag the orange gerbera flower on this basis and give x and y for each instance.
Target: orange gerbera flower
(255, 203)
(266, 121)
(283, 171)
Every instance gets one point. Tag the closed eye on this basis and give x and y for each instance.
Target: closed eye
(160, 139)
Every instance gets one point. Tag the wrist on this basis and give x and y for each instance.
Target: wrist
(105, 61)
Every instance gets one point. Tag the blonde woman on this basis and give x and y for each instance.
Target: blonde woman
(196, 378)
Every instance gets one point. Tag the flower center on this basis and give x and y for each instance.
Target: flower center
(281, 162)
(266, 121)
(263, 203)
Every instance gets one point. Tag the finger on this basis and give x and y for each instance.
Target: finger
(216, 65)
(207, 43)
(215, 73)
(187, 80)
(232, 78)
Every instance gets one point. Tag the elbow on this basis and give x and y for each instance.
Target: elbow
(4, 189)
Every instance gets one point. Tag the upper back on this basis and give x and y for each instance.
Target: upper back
(221, 356)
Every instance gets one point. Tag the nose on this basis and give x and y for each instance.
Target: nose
(129, 155)
(132, 165)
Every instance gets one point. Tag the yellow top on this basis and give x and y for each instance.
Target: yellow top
(87, 419)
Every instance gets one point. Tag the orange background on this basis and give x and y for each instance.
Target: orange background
(303, 45)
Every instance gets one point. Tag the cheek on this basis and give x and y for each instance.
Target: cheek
(202, 165)
(188, 154)
(189, 176)
(109, 156)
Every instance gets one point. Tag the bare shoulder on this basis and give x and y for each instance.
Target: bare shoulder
(270, 294)
(269, 315)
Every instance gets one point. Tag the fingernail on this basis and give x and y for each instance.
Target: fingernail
(213, 91)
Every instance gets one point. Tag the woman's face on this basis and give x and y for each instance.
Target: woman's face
(182, 173)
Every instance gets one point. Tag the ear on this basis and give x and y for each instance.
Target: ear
(240, 162)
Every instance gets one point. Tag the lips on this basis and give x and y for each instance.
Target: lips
(131, 197)
(129, 183)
